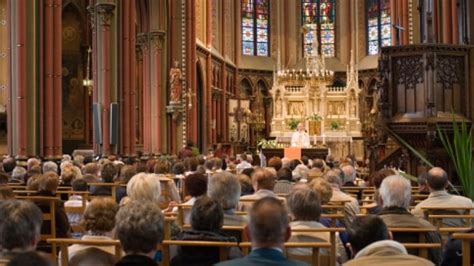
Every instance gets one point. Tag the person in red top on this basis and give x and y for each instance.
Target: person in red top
(186, 151)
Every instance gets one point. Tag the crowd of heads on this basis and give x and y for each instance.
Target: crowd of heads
(216, 183)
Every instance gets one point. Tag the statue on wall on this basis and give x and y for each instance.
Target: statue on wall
(278, 104)
(176, 79)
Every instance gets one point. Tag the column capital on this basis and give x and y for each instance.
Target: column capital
(105, 12)
(157, 39)
(142, 39)
(91, 13)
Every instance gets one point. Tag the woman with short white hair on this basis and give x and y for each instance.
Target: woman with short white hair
(143, 187)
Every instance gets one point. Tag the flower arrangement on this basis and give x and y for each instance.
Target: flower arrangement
(266, 144)
(293, 123)
(314, 117)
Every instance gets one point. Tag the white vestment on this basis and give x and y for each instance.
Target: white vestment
(300, 139)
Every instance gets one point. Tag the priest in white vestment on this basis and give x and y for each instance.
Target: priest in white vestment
(300, 138)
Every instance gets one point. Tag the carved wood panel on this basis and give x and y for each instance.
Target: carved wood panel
(408, 83)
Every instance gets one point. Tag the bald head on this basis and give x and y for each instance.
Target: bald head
(437, 179)
(268, 223)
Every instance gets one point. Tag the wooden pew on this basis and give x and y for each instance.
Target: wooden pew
(223, 247)
(422, 246)
(47, 216)
(466, 239)
(64, 243)
(332, 234)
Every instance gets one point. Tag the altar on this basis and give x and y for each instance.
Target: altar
(312, 153)
(330, 114)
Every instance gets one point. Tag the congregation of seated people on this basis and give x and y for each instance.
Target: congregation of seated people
(196, 209)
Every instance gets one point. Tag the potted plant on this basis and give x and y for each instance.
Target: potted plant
(334, 125)
(459, 149)
(293, 123)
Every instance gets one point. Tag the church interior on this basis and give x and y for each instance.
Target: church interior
(332, 93)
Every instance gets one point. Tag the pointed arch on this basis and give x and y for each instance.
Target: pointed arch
(246, 87)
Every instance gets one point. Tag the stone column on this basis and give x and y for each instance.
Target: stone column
(57, 79)
(48, 83)
(105, 12)
(128, 78)
(51, 79)
(143, 41)
(156, 63)
(447, 27)
(20, 115)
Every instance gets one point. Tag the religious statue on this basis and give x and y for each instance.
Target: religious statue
(278, 104)
(176, 79)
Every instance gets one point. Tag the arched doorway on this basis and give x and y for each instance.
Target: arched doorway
(76, 100)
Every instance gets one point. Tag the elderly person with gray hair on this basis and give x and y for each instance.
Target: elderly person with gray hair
(349, 175)
(32, 162)
(20, 227)
(139, 227)
(305, 209)
(224, 187)
(143, 187)
(50, 166)
(351, 207)
(18, 175)
(395, 195)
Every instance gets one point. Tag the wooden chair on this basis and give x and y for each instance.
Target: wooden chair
(246, 204)
(112, 186)
(334, 210)
(466, 239)
(314, 259)
(25, 193)
(16, 186)
(77, 210)
(84, 194)
(421, 246)
(332, 234)
(223, 248)
(49, 215)
(64, 243)
(183, 210)
(436, 215)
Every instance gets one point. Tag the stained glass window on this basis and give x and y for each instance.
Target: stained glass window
(379, 25)
(319, 20)
(255, 27)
